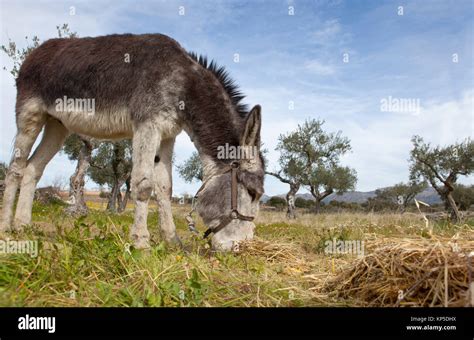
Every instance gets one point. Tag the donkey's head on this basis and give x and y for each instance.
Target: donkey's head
(231, 218)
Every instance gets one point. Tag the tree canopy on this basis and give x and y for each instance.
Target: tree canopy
(191, 169)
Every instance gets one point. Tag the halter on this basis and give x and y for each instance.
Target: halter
(234, 168)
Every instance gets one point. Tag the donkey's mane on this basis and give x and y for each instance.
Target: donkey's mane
(232, 89)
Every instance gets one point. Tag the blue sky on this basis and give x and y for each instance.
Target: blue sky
(297, 59)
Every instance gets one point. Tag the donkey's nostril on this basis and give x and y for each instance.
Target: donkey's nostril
(252, 194)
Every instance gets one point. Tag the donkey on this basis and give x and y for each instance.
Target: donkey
(146, 88)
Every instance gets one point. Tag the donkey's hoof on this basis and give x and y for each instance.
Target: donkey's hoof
(140, 242)
(18, 226)
(174, 241)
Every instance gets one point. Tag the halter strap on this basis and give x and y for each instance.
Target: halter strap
(234, 214)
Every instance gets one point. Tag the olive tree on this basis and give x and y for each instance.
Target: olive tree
(397, 197)
(441, 167)
(317, 155)
(111, 165)
(289, 173)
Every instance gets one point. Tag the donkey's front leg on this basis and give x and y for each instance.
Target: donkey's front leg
(163, 190)
(145, 143)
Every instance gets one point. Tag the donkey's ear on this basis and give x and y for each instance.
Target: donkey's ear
(251, 135)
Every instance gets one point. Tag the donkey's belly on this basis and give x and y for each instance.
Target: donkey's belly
(114, 124)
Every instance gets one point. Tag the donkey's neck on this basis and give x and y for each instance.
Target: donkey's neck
(211, 122)
(210, 167)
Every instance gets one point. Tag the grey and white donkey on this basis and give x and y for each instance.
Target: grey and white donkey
(149, 89)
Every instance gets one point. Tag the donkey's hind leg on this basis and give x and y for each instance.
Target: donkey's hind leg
(30, 121)
(145, 143)
(53, 138)
(163, 191)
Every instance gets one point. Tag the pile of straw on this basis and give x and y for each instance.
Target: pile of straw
(271, 251)
(409, 272)
(285, 256)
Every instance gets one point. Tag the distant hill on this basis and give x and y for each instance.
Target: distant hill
(429, 196)
(351, 196)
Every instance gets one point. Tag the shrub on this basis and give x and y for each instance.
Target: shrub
(277, 202)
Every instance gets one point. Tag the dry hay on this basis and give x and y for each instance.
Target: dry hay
(276, 253)
(409, 272)
(271, 251)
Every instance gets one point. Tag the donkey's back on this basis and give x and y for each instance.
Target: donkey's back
(96, 86)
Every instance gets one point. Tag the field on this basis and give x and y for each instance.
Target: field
(87, 262)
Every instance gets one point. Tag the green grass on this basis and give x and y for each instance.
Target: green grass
(87, 262)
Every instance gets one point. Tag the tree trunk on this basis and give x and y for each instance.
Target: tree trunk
(406, 202)
(449, 200)
(77, 181)
(455, 215)
(119, 198)
(111, 205)
(319, 196)
(290, 200)
(115, 192)
(402, 207)
(123, 204)
(317, 206)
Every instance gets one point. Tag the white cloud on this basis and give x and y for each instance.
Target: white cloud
(381, 148)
